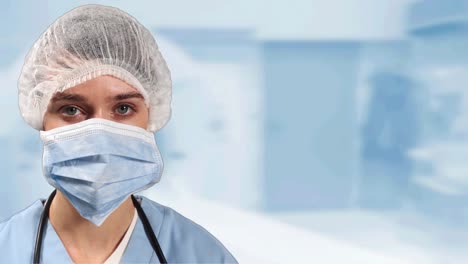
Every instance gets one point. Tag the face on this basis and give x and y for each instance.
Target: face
(103, 97)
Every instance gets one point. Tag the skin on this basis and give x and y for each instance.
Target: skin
(108, 98)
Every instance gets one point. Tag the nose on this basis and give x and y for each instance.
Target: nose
(101, 113)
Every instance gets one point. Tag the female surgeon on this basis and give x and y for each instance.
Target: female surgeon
(97, 88)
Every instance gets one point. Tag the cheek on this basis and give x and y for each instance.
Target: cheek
(140, 119)
(50, 122)
(144, 119)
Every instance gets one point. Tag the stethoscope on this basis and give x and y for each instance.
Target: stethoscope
(141, 214)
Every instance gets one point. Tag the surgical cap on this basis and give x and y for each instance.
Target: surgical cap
(87, 42)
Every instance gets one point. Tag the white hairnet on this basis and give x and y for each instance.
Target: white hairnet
(87, 42)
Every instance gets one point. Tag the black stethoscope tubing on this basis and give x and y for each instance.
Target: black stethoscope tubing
(141, 214)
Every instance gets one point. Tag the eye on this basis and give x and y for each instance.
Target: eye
(71, 110)
(123, 109)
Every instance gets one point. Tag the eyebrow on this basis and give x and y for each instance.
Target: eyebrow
(126, 96)
(63, 96)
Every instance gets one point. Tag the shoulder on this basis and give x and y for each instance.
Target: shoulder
(22, 220)
(182, 240)
(17, 233)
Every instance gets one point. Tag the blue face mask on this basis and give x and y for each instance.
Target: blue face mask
(97, 164)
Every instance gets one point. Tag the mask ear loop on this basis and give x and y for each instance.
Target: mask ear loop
(41, 227)
(149, 231)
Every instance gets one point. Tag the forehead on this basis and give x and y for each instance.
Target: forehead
(100, 87)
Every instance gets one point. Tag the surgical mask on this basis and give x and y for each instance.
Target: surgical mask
(97, 164)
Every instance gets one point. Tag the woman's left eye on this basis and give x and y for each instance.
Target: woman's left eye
(123, 109)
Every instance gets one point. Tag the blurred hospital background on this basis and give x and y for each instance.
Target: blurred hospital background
(303, 131)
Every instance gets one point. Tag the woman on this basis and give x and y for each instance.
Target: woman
(97, 88)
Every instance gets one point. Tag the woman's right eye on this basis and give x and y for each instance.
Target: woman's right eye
(70, 110)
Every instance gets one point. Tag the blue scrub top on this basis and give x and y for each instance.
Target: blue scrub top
(181, 240)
